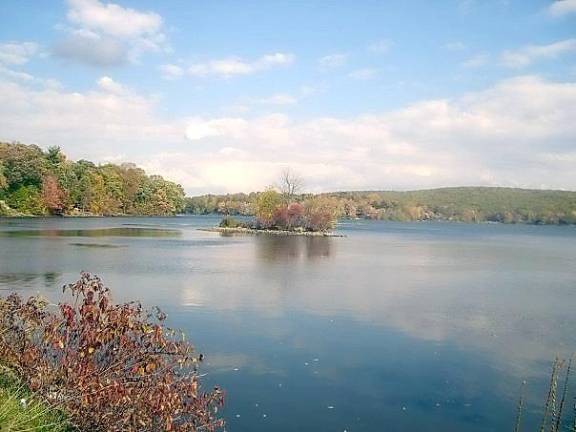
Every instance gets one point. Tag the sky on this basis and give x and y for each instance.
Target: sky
(222, 95)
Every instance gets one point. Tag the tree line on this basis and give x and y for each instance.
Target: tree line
(37, 182)
(462, 204)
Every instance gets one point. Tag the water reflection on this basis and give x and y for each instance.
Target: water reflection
(274, 248)
(443, 320)
(103, 232)
(15, 281)
(97, 245)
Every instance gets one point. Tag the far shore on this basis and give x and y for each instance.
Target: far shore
(252, 231)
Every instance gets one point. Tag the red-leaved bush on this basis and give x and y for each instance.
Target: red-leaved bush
(295, 214)
(110, 367)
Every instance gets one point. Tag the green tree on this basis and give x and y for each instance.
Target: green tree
(27, 200)
(97, 196)
(3, 181)
(55, 157)
(132, 179)
(23, 165)
(160, 197)
(266, 205)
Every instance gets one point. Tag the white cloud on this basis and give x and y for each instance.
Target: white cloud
(333, 61)
(562, 7)
(24, 77)
(364, 74)
(15, 75)
(517, 133)
(171, 71)
(108, 85)
(532, 53)
(106, 34)
(200, 128)
(17, 53)
(91, 124)
(476, 61)
(112, 19)
(381, 46)
(228, 67)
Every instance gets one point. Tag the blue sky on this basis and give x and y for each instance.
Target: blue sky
(222, 95)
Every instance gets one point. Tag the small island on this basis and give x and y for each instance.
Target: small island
(282, 211)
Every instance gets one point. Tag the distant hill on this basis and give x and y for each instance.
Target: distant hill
(462, 204)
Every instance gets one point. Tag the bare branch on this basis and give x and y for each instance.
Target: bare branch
(290, 184)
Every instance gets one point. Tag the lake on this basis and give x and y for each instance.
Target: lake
(396, 327)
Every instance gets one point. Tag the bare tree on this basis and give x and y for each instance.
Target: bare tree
(290, 184)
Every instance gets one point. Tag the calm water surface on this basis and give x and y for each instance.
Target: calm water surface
(396, 327)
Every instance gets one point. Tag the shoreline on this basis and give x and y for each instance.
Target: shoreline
(270, 232)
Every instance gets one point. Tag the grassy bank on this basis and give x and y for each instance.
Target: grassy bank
(21, 411)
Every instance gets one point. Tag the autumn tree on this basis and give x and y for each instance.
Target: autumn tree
(52, 195)
(295, 215)
(321, 213)
(350, 209)
(266, 204)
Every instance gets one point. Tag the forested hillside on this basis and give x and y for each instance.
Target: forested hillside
(463, 204)
(37, 182)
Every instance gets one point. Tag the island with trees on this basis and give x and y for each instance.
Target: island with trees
(281, 210)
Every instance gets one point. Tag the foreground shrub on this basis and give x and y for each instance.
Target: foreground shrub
(110, 367)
